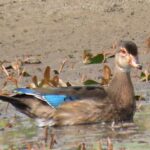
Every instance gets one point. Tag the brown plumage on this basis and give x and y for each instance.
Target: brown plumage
(94, 103)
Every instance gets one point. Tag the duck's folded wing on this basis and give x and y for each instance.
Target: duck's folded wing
(80, 92)
(83, 111)
(57, 96)
(52, 99)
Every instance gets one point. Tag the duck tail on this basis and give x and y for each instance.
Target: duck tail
(16, 102)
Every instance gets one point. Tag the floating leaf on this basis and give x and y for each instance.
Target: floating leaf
(47, 81)
(47, 73)
(64, 84)
(68, 84)
(41, 83)
(139, 97)
(90, 82)
(56, 72)
(106, 72)
(145, 76)
(106, 75)
(55, 81)
(87, 55)
(88, 58)
(25, 74)
(99, 58)
(142, 75)
(35, 80)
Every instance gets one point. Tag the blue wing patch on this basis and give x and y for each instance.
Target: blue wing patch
(53, 100)
(57, 100)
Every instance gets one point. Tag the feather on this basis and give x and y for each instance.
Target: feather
(54, 100)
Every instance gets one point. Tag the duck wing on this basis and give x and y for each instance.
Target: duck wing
(57, 96)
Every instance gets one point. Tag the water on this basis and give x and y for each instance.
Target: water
(22, 131)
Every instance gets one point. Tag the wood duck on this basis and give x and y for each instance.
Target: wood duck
(84, 104)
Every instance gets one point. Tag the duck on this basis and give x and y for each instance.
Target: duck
(84, 104)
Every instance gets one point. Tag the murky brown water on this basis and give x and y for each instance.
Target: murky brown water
(129, 135)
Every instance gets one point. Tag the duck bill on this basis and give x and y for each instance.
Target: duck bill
(134, 62)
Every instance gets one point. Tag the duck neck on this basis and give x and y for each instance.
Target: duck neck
(121, 89)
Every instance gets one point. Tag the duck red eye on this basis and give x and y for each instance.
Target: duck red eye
(123, 51)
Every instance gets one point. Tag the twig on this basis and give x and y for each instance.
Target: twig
(5, 71)
(52, 141)
(109, 144)
(62, 65)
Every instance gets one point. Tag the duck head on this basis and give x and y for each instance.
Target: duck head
(127, 56)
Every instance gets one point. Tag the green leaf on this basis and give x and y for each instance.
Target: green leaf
(145, 76)
(99, 58)
(90, 82)
(142, 75)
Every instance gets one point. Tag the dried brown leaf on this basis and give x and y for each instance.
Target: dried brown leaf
(87, 55)
(55, 81)
(106, 75)
(68, 84)
(106, 72)
(62, 83)
(88, 58)
(42, 83)
(47, 73)
(35, 80)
